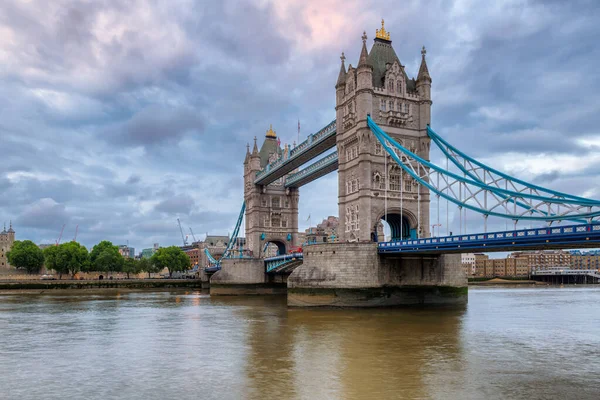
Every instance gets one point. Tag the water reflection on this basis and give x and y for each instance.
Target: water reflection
(513, 343)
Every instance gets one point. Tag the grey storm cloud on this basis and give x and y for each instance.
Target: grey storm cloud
(120, 116)
(182, 204)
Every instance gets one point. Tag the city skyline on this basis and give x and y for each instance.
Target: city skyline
(136, 118)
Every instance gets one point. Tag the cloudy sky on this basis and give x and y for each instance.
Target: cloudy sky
(120, 116)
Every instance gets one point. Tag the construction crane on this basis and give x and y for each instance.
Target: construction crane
(193, 236)
(76, 230)
(61, 233)
(181, 230)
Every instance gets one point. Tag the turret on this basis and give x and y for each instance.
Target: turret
(424, 90)
(340, 86)
(11, 233)
(364, 83)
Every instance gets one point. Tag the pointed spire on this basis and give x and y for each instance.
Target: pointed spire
(423, 71)
(342, 76)
(10, 229)
(247, 153)
(255, 149)
(364, 54)
(4, 230)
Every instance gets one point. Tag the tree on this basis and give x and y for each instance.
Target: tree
(148, 266)
(172, 258)
(109, 260)
(132, 266)
(99, 248)
(50, 258)
(26, 255)
(70, 258)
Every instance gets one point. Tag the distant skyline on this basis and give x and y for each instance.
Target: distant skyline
(121, 117)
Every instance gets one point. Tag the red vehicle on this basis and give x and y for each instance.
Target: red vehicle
(296, 249)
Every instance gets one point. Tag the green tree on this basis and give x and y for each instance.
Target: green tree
(99, 248)
(70, 258)
(172, 258)
(109, 260)
(148, 266)
(132, 266)
(50, 258)
(26, 255)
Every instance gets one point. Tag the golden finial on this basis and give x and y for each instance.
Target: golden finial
(271, 133)
(381, 33)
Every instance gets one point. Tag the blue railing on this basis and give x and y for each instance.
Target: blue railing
(317, 166)
(301, 148)
(568, 235)
(273, 263)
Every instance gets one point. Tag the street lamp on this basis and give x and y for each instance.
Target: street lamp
(433, 229)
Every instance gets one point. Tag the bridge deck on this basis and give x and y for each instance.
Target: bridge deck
(312, 147)
(566, 237)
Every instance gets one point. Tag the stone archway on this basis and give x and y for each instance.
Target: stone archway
(269, 246)
(402, 225)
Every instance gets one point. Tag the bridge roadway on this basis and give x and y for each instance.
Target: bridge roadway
(564, 237)
(316, 144)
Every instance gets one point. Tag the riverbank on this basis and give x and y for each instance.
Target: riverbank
(101, 284)
(500, 281)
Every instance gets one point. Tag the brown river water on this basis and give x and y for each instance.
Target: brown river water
(508, 343)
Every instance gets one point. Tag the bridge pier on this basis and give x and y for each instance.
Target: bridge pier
(355, 275)
(242, 276)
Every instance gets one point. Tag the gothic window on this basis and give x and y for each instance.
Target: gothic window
(378, 149)
(350, 108)
(391, 105)
(263, 202)
(352, 152)
(382, 105)
(284, 223)
(408, 185)
(406, 108)
(391, 86)
(275, 202)
(286, 203)
(399, 86)
(276, 221)
(395, 179)
(267, 222)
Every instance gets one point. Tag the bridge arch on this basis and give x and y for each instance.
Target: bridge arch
(271, 243)
(402, 223)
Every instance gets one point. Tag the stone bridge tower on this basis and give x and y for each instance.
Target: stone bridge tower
(271, 210)
(380, 87)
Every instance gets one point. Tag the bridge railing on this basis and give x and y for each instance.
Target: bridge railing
(322, 163)
(312, 140)
(572, 230)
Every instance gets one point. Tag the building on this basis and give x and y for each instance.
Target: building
(544, 259)
(147, 253)
(324, 232)
(126, 251)
(468, 262)
(585, 260)
(480, 264)
(7, 239)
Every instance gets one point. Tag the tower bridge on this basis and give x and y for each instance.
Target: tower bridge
(381, 139)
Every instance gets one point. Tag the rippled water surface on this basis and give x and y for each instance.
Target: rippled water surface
(537, 343)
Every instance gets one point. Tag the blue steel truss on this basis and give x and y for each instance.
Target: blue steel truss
(216, 264)
(486, 198)
(282, 263)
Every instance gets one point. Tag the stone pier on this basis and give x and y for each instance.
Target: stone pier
(244, 277)
(354, 275)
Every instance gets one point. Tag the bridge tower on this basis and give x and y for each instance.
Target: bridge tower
(271, 210)
(372, 188)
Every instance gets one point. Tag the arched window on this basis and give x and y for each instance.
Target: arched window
(382, 105)
(391, 105)
(395, 179)
(350, 108)
(391, 88)
(399, 86)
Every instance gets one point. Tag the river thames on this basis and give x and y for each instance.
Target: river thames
(508, 343)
